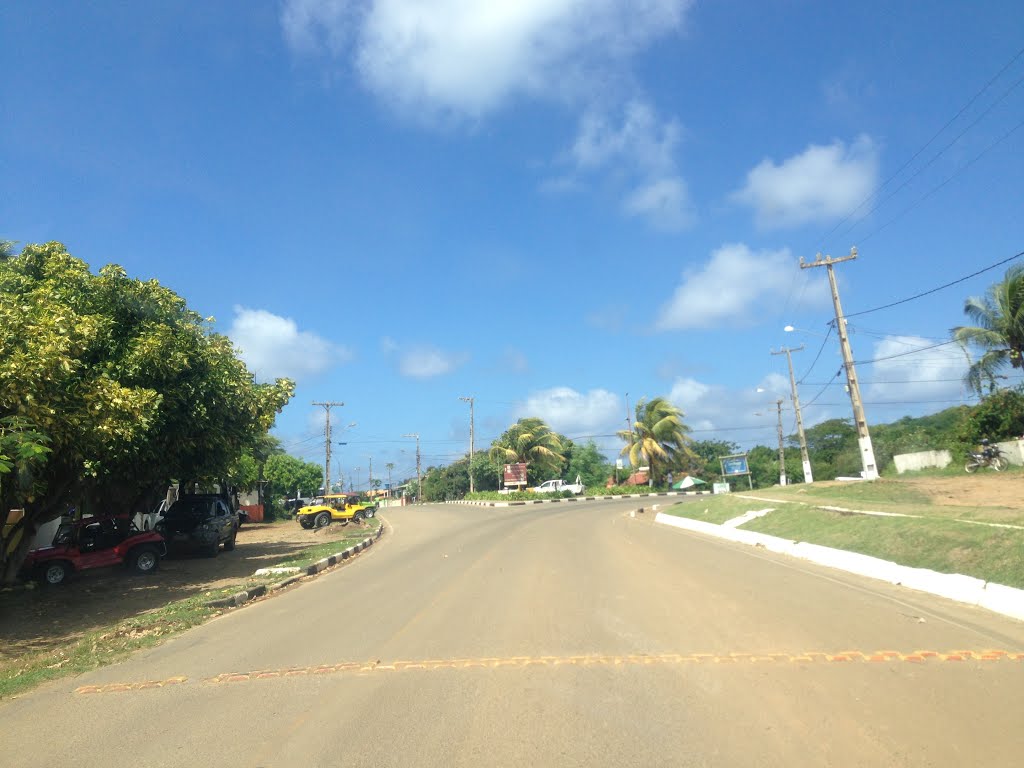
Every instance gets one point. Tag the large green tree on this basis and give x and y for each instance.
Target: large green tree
(658, 437)
(129, 388)
(533, 442)
(287, 475)
(587, 461)
(998, 330)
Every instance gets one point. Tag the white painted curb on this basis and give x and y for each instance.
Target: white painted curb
(997, 598)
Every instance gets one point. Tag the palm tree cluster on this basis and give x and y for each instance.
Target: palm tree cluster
(532, 442)
(658, 437)
(998, 329)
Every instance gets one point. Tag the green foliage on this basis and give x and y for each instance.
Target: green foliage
(998, 329)
(658, 437)
(589, 463)
(1000, 416)
(129, 387)
(706, 454)
(532, 441)
(286, 474)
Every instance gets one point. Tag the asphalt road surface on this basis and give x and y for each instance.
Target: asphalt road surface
(552, 635)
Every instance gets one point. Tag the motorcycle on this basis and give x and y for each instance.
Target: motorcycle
(988, 456)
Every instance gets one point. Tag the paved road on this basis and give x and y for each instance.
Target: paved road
(555, 635)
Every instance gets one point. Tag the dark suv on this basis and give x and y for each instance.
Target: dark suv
(201, 522)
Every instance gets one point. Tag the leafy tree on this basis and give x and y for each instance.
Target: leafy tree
(287, 475)
(833, 450)
(763, 463)
(130, 388)
(706, 454)
(532, 441)
(998, 329)
(658, 437)
(1000, 416)
(590, 464)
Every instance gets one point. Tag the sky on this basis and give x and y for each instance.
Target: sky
(555, 207)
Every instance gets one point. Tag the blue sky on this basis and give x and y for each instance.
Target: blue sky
(543, 204)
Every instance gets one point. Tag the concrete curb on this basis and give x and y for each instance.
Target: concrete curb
(240, 598)
(997, 598)
(577, 498)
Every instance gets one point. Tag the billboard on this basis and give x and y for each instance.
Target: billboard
(515, 474)
(734, 465)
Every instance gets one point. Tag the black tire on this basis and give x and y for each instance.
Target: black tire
(322, 520)
(371, 512)
(305, 522)
(144, 559)
(999, 463)
(54, 573)
(358, 515)
(971, 467)
(212, 550)
(229, 545)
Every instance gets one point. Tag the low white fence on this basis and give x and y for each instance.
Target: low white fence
(1013, 450)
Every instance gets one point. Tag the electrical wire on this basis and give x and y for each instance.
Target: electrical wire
(824, 341)
(939, 288)
(927, 144)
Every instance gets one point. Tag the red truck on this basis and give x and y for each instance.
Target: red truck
(95, 542)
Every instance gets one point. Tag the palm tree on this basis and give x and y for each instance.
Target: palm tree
(658, 437)
(532, 442)
(998, 329)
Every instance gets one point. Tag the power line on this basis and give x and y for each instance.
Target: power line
(942, 184)
(939, 288)
(927, 144)
(814, 362)
(908, 352)
(937, 155)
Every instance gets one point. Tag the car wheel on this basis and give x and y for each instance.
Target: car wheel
(144, 559)
(229, 545)
(305, 522)
(370, 512)
(55, 573)
(322, 520)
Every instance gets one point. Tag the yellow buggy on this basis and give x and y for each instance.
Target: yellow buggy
(334, 508)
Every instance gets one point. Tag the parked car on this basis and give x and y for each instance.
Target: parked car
(201, 522)
(95, 542)
(559, 486)
(335, 508)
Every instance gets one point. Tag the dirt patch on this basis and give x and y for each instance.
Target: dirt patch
(986, 489)
(42, 619)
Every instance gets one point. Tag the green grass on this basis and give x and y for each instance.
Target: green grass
(717, 509)
(992, 554)
(116, 641)
(316, 552)
(107, 645)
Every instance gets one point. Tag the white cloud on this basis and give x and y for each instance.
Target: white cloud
(736, 286)
(665, 203)
(426, 362)
(273, 346)
(929, 375)
(466, 57)
(642, 151)
(571, 412)
(821, 184)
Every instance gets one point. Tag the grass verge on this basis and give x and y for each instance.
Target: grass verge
(112, 643)
(992, 554)
(717, 509)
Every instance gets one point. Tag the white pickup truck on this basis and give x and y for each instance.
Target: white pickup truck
(557, 486)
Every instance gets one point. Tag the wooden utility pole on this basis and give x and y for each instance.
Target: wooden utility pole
(419, 479)
(472, 447)
(867, 452)
(327, 432)
(782, 449)
(808, 476)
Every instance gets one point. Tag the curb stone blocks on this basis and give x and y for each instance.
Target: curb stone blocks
(240, 598)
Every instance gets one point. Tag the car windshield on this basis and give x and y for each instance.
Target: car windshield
(191, 508)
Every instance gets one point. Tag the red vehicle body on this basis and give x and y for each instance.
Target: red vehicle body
(95, 542)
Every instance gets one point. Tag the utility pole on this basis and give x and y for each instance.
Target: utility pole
(782, 449)
(808, 476)
(419, 479)
(370, 481)
(867, 452)
(327, 432)
(472, 447)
